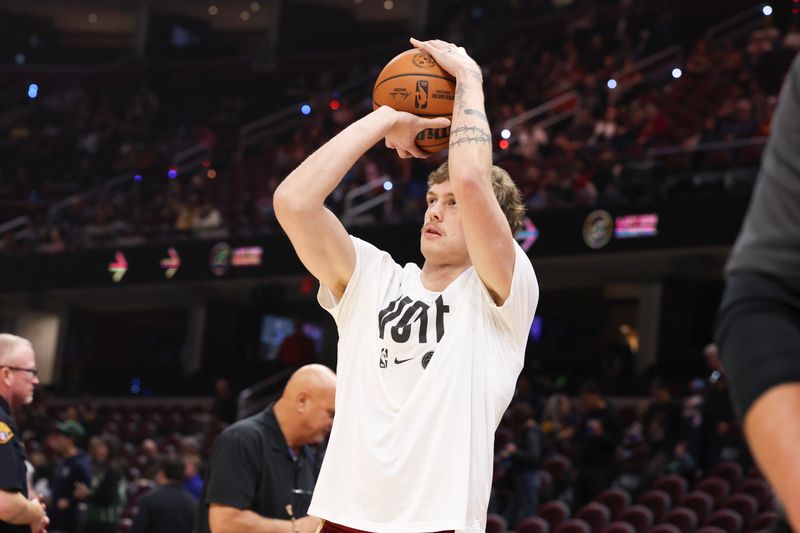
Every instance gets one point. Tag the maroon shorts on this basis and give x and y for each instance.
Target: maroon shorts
(330, 527)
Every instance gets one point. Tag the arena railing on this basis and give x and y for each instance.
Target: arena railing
(736, 26)
(285, 119)
(549, 114)
(662, 151)
(21, 228)
(629, 77)
(352, 209)
(192, 159)
(104, 187)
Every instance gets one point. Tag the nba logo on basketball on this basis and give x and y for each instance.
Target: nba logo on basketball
(421, 95)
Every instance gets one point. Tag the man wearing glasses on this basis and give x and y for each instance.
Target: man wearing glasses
(18, 377)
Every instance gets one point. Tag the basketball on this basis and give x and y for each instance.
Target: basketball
(413, 82)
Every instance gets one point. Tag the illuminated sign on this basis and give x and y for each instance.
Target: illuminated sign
(247, 256)
(527, 235)
(220, 259)
(171, 263)
(598, 228)
(635, 226)
(118, 267)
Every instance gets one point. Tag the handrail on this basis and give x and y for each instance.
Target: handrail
(23, 222)
(351, 211)
(706, 147)
(191, 158)
(246, 402)
(736, 25)
(647, 64)
(542, 109)
(285, 118)
(59, 206)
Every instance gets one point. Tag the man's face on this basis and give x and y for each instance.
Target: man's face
(319, 414)
(20, 381)
(442, 239)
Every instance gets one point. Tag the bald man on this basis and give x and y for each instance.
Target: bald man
(261, 470)
(18, 377)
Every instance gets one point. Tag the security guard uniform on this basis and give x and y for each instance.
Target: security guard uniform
(13, 472)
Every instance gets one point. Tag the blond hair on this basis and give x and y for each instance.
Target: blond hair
(505, 191)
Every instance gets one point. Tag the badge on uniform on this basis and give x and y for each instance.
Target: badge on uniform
(5, 433)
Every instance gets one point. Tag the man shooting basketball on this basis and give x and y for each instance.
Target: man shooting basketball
(428, 359)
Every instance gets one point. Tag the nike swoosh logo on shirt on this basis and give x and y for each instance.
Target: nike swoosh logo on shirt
(398, 361)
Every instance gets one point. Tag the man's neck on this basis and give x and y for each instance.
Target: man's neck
(436, 278)
(283, 417)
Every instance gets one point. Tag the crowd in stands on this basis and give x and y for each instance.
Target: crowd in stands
(557, 458)
(77, 136)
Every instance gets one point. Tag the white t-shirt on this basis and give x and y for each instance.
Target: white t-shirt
(423, 379)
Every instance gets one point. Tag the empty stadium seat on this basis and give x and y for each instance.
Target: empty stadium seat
(657, 501)
(532, 524)
(495, 523)
(596, 515)
(573, 525)
(554, 513)
(729, 471)
(619, 527)
(615, 499)
(700, 502)
(639, 516)
(758, 488)
(673, 484)
(683, 518)
(727, 520)
(715, 487)
(744, 504)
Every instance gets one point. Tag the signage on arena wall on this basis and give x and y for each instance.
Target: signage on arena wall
(556, 233)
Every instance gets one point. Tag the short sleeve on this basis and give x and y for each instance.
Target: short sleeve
(516, 313)
(10, 467)
(235, 470)
(371, 275)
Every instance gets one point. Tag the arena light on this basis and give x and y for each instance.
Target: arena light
(172, 173)
(335, 104)
(92, 18)
(20, 59)
(388, 5)
(213, 10)
(505, 134)
(244, 15)
(677, 73)
(767, 10)
(255, 7)
(387, 185)
(612, 83)
(503, 144)
(211, 173)
(33, 91)
(305, 109)
(137, 177)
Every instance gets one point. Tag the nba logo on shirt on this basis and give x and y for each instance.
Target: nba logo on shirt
(421, 95)
(384, 361)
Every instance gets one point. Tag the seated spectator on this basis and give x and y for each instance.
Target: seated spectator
(523, 455)
(72, 471)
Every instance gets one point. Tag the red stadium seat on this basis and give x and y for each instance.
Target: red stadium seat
(560, 467)
(495, 524)
(657, 501)
(619, 527)
(639, 516)
(615, 499)
(573, 525)
(700, 502)
(729, 471)
(596, 515)
(554, 513)
(725, 519)
(744, 504)
(683, 518)
(715, 487)
(673, 484)
(764, 520)
(532, 524)
(758, 488)
(664, 528)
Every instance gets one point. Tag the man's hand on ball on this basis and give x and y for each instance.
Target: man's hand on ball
(405, 128)
(454, 59)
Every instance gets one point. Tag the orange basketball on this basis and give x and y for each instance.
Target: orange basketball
(413, 82)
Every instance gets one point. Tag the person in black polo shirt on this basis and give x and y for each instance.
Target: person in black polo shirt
(18, 377)
(169, 508)
(261, 473)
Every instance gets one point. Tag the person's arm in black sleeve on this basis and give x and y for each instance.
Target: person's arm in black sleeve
(141, 522)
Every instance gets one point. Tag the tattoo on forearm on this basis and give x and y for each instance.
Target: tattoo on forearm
(477, 113)
(469, 134)
(476, 74)
(459, 96)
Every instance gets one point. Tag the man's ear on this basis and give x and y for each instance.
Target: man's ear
(302, 401)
